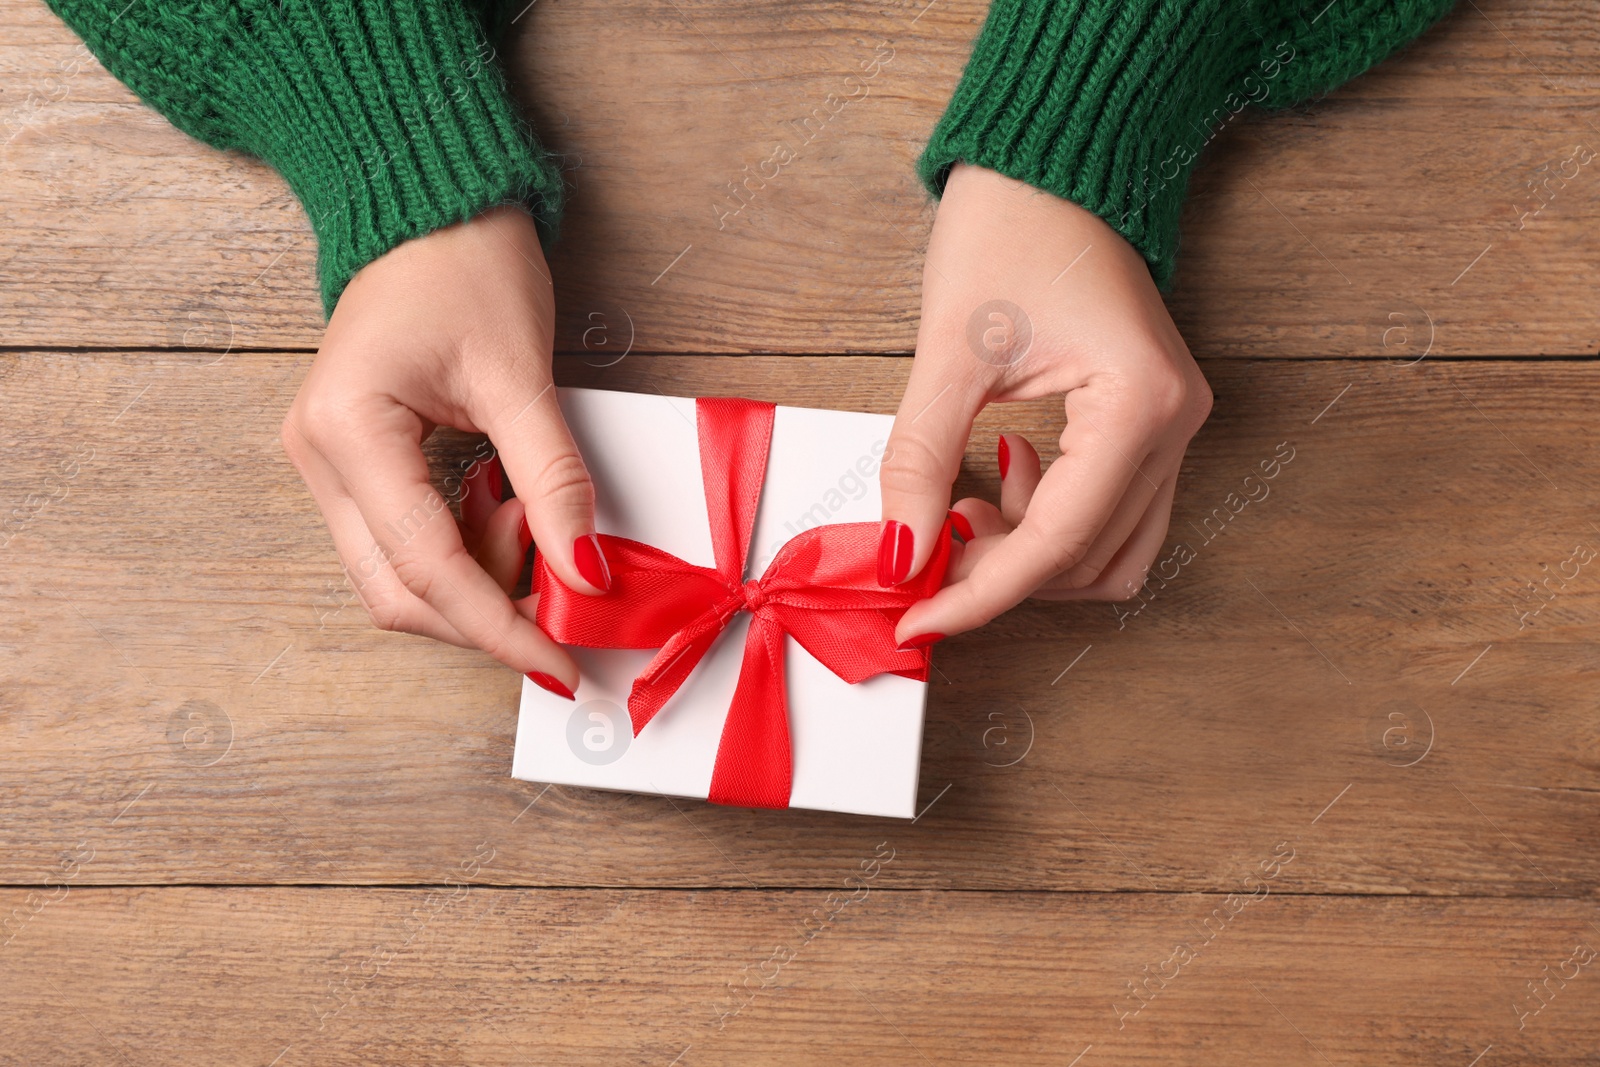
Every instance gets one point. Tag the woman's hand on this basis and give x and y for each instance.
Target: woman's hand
(1025, 295)
(454, 328)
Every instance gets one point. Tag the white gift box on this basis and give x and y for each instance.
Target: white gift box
(856, 748)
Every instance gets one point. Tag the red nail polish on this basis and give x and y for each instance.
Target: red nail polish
(550, 683)
(524, 536)
(591, 562)
(894, 553)
(497, 480)
(919, 641)
(959, 523)
(1005, 456)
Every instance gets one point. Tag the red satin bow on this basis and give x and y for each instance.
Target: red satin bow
(821, 589)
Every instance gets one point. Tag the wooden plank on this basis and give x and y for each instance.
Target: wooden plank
(186, 680)
(469, 975)
(1393, 218)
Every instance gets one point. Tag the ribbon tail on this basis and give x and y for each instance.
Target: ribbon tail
(670, 668)
(755, 764)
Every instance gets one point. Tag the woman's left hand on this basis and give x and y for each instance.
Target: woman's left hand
(1027, 295)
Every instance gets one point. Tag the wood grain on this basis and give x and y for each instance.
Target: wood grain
(1390, 219)
(461, 975)
(1362, 616)
(1345, 757)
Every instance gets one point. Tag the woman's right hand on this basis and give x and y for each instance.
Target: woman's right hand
(453, 328)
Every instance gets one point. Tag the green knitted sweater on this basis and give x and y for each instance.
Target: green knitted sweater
(391, 118)
(388, 118)
(1107, 103)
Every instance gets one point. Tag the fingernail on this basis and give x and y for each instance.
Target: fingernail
(524, 536)
(497, 480)
(550, 683)
(591, 562)
(959, 523)
(919, 641)
(894, 553)
(1005, 456)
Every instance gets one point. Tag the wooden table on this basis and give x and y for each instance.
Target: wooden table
(1329, 797)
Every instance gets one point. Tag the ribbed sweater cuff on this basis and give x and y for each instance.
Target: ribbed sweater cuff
(388, 118)
(1104, 103)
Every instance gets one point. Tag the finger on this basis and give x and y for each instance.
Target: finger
(1075, 498)
(482, 490)
(390, 605)
(1019, 476)
(1118, 527)
(962, 563)
(920, 465)
(412, 522)
(503, 548)
(1121, 578)
(542, 461)
(469, 536)
(1129, 568)
(983, 518)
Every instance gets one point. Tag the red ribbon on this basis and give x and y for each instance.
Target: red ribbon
(821, 589)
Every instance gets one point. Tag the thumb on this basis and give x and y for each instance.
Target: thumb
(542, 462)
(921, 463)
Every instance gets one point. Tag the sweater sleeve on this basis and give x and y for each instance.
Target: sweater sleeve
(1107, 103)
(388, 118)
